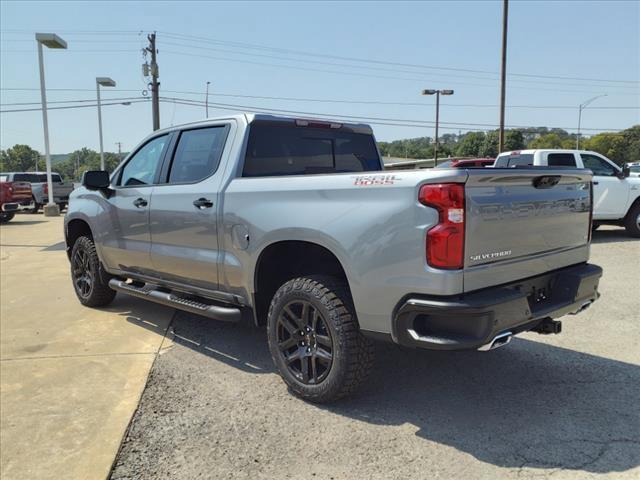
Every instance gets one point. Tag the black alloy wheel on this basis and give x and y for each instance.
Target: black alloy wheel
(305, 342)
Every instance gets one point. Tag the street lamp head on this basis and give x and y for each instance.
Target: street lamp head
(428, 92)
(446, 92)
(105, 82)
(50, 40)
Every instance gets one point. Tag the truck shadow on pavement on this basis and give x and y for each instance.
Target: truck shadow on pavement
(612, 236)
(529, 404)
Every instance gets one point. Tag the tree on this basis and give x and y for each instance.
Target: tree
(490, 145)
(611, 145)
(470, 144)
(19, 158)
(549, 140)
(514, 140)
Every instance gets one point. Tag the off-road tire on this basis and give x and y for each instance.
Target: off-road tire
(352, 352)
(6, 216)
(36, 206)
(98, 293)
(631, 220)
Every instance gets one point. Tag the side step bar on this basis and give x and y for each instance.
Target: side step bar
(217, 312)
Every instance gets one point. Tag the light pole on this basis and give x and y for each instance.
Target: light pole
(105, 82)
(437, 93)
(206, 102)
(49, 40)
(580, 108)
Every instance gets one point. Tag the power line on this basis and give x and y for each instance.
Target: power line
(67, 101)
(77, 106)
(382, 62)
(367, 75)
(356, 117)
(394, 70)
(338, 101)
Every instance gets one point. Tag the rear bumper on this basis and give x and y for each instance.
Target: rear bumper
(469, 321)
(18, 206)
(10, 207)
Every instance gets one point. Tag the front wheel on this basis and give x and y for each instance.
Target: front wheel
(315, 341)
(6, 216)
(36, 206)
(89, 280)
(632, 221)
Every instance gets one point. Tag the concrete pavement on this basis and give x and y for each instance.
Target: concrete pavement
(561, 406)
(70, 376)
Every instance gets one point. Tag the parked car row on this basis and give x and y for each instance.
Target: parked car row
(40, 188)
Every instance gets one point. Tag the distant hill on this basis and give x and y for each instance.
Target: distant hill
(58, 157)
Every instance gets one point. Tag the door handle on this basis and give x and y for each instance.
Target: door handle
(595, 183)
(203, 203)
(140, 202)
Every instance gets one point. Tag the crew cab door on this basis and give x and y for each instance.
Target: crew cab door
(610, 193)
(123, 227)
(184, 211)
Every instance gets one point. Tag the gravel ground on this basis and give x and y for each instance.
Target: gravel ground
(566, 405)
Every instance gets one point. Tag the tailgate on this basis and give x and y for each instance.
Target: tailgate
(524, 222)
(21, 190)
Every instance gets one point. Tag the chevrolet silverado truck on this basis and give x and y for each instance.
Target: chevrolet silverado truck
(292, 224)
(40, 188)
(616, 194)
(14, 197)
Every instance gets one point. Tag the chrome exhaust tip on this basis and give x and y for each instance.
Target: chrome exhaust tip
(498, 341)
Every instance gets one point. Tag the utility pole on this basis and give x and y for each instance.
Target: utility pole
(119, 150)
(437, 94)
(503, 73)
(155, 84)
(206, 102)
(580, 108)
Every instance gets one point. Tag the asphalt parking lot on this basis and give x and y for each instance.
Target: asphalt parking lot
(564, 406)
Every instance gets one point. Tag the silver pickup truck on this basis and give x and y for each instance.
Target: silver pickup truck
(40, 189)
(292, 224)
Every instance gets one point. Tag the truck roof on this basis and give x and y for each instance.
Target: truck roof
(534, 150)
(265, 118)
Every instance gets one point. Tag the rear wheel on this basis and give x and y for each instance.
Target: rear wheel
(315, 341)
(90, 282)
(632, 221)
(6, 216)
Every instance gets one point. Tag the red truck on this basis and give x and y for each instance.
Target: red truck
(14, 196)
(468, 163)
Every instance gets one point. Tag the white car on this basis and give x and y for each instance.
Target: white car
(616, 193)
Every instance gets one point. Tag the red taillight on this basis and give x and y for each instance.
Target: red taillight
(445, 241)
(45, 189)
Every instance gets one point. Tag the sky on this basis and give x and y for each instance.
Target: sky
(363, 60)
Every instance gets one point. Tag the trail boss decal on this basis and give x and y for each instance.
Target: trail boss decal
(368, 180)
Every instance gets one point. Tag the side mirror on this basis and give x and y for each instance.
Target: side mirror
(96, 180)
(626, 171)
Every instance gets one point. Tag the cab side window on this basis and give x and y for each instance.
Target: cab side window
(142, 167)
(198, 154)
(561, 160)
(598, 166)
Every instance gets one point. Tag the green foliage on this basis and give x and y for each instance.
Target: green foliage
(490, 145)
(514, 140)
(19, 158)
(470, 144)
